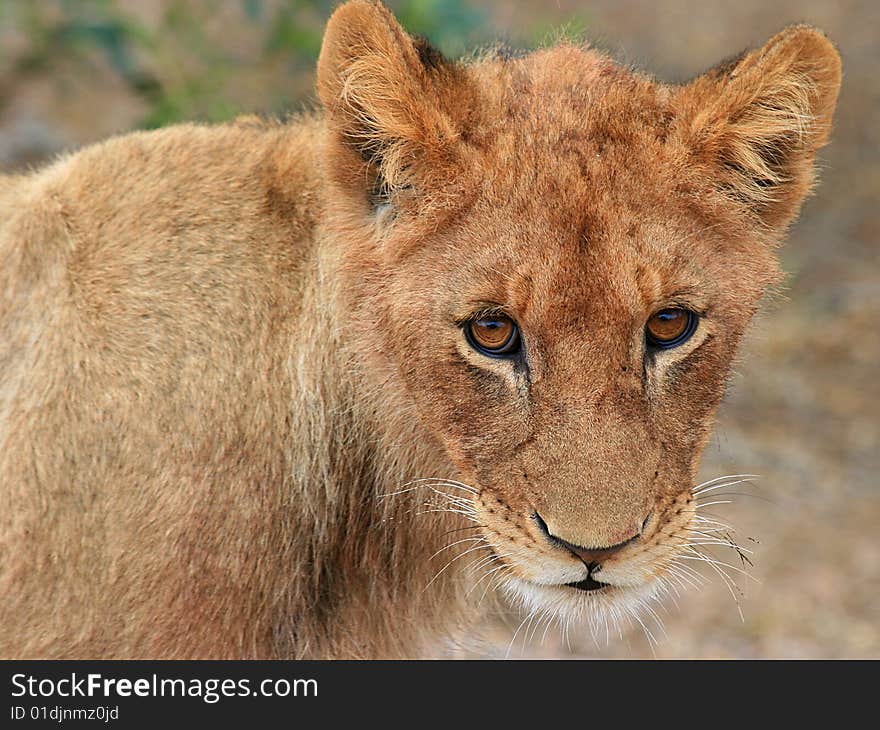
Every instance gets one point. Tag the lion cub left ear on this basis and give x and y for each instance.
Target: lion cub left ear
(759, 120)
(390, 101)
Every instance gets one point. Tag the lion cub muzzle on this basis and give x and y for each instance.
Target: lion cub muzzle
(592, 557)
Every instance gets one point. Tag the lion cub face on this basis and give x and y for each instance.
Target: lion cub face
(553, 260)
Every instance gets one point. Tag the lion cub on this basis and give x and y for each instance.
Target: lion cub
(311, 389)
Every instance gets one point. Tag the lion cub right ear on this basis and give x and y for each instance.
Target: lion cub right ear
(386, 96)
(758, 120)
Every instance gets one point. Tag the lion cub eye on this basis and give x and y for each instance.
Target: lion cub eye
(670, 327)
(495, 336)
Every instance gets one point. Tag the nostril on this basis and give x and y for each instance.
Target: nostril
(542, 526)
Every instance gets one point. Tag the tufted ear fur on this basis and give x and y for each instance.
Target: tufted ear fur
(759, 119)
(387, 97)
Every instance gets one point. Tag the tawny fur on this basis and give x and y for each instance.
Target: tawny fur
(226, 352)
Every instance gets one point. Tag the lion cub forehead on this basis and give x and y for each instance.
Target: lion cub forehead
(558, 66)
(565, 81)
(566, 132)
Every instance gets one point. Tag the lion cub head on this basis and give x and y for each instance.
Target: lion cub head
(549, 261)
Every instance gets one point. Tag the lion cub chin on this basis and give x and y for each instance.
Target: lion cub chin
(314, 389)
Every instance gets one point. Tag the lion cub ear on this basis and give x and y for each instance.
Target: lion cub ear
(386, 96)
(759, 119)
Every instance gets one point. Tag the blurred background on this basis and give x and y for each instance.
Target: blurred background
(803, 409)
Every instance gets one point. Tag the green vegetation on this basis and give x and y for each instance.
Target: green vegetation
(191, 59)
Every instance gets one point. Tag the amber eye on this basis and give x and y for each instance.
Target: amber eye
(495, 335)
(670, 327)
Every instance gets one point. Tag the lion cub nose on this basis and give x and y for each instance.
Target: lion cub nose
(591, 556)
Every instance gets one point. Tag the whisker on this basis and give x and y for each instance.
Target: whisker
(537, 625)
(687, 575)
(482, 563)
(731, 587)
(670, 589)
(493, 585)
(711, 533)
(451, 497)
(515, 633)
(671, 582)
(525, 640)
(705, 559)
(458, 542)
(720, 543)
(746, 494)
(483, 577)
(469, 515)
(709, 504)
(722, 485)
(651, 640)
(450, 482)
(457, 557)
(716, 519)
(728, 476)
(460, 529)
(415, 484)
(460, 485)
(656, 618)
(706, 521)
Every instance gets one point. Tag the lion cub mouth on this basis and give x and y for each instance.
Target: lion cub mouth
(588, 584)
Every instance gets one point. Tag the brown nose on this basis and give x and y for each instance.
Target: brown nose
(591, 556)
